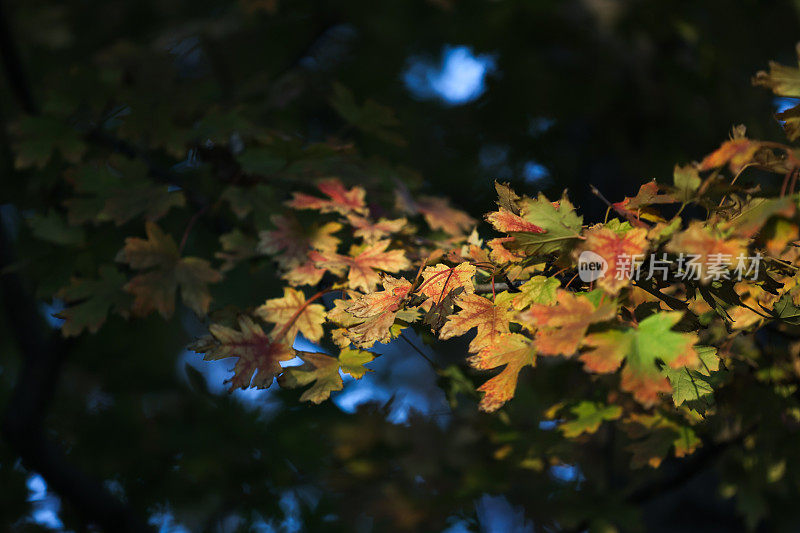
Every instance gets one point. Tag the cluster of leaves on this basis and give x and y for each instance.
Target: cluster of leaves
(658, 352)
(382, 275)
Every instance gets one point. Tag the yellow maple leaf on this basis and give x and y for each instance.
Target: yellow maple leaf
(513, 352)
(257, 353)
(363, 263)
(291, 314)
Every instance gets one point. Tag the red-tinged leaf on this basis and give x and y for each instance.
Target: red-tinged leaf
(560, 328)
(363, 263)
(372, 231)
(513, 352)
(291, 241)
(291, 314)
(369, 318)
(616, 249)
(257, 353)
(387, 300)
(506, 221)
(500, 254)
(439, 280)
(340, 199)
(491, 319)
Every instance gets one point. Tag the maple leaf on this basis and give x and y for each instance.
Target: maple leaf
(437, 212)
(236, 247)
(257, 353)
(372, 231)
(303, 273)
(439, 280)
(756, 212)
(633, 208)
(781, 80)
(686, 180)
(589, 417)
(291, 314)
(387, 300)
(736, 153)
(363, 263)
(654, 436)
(500, 254)
(513, 352)
(323, 371)
(90, 300)
(706, 244)
(537, 290)
(118, 190)
(506, 197)
(692, 384)
(340, 200)
(491, 319)
(614, 248)
(372, 316)
(560, 328)
(291, 240)
(559, 221)
(653, 340)
(154, 290)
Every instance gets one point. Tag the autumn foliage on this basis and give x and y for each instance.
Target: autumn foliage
(360, 269)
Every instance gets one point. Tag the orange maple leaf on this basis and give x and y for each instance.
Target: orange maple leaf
(500, 254)
(513, 351)
(615, 248)
(561, 328)
(340, 200)
(363, 263)
(291, 314)
(257, 353)
(439, 280)
(491, 319)
(736, 153)
(707, 248)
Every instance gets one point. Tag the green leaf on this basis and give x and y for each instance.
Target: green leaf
(687, 181)
(589, 417)
(537, 290)
(38, 138)
(53, 228)
(90, 301)
(561, 223)
(323, 371)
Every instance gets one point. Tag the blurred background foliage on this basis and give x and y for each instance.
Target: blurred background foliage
(442, 95)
